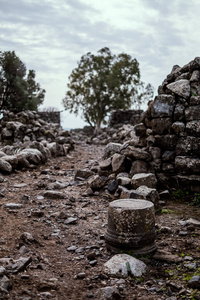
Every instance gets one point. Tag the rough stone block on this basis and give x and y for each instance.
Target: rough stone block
(148, 179)
(163, 106)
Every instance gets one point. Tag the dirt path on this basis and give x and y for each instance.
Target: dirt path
(66, 245)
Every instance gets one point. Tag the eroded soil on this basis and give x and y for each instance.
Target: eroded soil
(68, 251)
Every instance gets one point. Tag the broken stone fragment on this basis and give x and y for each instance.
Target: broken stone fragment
(147, 179)
(180, 87)
(166, 256)
(54, 195)
(96, 182)
(118, 163)
(111, 149)
(124, 265)
(19, 265)
(83, 173)
(108, 293)
(5, 166)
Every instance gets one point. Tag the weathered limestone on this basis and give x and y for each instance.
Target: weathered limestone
(131, 226)
(28, 141)
(124, 265)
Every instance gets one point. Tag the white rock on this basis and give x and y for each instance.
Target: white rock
(123, 265)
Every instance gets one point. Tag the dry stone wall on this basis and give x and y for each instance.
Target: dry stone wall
(125, 116)
(171, 128)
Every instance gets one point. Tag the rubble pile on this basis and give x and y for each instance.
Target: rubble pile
(27, 140)
(164, 150)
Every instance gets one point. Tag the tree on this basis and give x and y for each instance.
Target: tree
(103, 83)
(17, 91)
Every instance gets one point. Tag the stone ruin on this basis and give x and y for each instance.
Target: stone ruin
(171, 128)
(27, 140)
(164, 154)
(124, 116)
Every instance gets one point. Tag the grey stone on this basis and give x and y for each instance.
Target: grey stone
(118, 163)
(109, 292)
(19, 265)
(140, 129)
(96, 182)
(166, 142)
(187, 146)
(111, 149)
(139, 166)
(178, 127)
(166, 256)
(148, 179)
(105, 164)
(13, 205)
(193, 128)
(149, 194)
(181, 88)
(163, 106)
(195, 100)
(136, 153)
(161, 125)
(54, 195)
(187, 165)
(168, 155)
(123, 265)
(5, 284)
(124, 181)
(194, 282)
(83, 173)
(5, 166)
(192, 113)
(179, 112)
(112, 186)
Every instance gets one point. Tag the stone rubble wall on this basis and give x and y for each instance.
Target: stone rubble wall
(27, 140)
(171, 128)
(124, 116)
(165, 152)
(50, 116)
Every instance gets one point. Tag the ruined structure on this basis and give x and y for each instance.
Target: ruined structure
(125, 116)
(167, 144)
(171, 128)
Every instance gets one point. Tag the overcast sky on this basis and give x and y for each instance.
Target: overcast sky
(50, 36)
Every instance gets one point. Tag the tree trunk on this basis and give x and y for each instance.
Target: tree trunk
(97, 127)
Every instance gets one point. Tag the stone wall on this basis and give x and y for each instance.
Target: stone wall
(124, 116)
(170, 128)
(50, 116)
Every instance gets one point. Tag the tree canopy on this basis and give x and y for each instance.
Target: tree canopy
(104, 82)
(18, 91)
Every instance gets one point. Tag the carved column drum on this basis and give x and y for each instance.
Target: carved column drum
(131, 226)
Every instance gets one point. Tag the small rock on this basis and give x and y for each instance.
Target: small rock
(2, 271)
(71, 220)
(13, 205)
(5, 283)
(19, 265)
(80, 275)
(194, 282)
(110, 293)
(93, 262)
(71, 249)
(54, 195)
(166, 256)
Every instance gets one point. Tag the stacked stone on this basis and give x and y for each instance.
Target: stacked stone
(171, 128)
(124, 116)
(27, 140)
(27, 126)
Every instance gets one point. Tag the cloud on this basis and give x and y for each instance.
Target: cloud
(51, 36)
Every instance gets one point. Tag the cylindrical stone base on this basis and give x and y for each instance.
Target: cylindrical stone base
(131, 226)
